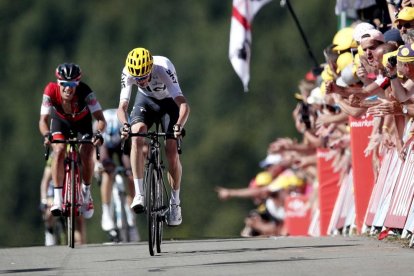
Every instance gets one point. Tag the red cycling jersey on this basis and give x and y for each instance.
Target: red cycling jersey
(83, 102)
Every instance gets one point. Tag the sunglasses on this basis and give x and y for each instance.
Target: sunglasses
(68, 83)
(142, 78)
(405, 25)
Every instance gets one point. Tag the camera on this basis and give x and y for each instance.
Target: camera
(392, 60)
(304, 112)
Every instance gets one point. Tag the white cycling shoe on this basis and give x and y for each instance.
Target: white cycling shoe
(107, 223)
(138, 204)
(174, 216)
(87, 206)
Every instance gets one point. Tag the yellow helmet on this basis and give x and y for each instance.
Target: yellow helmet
(139, 62)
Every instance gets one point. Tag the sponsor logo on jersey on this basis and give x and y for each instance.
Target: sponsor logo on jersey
(172, 76)
(123, 77)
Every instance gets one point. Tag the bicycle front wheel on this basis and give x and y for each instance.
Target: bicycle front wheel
(150, 204)
(71, 216)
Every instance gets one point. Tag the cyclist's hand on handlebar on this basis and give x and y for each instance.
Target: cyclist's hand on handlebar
(178, 131)
(47, 139)
(125, 131)
(97, 139)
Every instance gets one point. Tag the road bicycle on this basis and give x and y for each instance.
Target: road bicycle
(122, 214)
(156, 195)
(71, 191)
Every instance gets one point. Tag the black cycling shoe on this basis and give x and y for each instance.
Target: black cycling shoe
(56, 211)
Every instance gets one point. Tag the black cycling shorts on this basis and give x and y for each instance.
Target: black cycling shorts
(69, 128)
(149, 110)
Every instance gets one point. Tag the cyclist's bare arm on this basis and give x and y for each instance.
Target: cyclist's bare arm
(184, 110)
(122, 111)
(100, 120)
(44, 124)
(225, 193)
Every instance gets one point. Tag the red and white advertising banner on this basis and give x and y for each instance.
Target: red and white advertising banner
(348, 207)
(361, 129)
(328, 187)
(342, 204)
(314, 230)
(409, 224)
(297, 215)
(403, 194)
(379, 186)
(388, 190)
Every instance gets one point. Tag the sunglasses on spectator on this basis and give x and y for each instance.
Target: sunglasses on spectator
(142, 78)
(405, 25)
(68, 83)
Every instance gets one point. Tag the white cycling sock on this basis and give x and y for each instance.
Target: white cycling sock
(86, 189)
(105, 209)
(57, 195)
(175, 197)
(139, 186)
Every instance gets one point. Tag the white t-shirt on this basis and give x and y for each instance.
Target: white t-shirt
(163, 82)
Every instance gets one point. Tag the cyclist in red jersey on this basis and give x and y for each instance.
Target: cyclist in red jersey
(67, 109)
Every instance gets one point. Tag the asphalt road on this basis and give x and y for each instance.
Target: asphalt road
(252, 256)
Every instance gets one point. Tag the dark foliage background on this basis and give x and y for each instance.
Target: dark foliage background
(228, 130)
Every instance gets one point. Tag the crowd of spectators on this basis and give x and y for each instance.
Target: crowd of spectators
(368, 71)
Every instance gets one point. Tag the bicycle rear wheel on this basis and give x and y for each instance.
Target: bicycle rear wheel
(150, 202)
(159, 196)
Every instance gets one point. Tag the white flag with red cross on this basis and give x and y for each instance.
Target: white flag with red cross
(243, 13)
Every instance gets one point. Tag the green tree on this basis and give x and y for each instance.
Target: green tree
(228, 131)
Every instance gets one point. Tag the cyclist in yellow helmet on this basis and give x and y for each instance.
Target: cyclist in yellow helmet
(159, 97)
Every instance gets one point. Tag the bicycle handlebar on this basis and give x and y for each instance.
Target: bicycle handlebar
(152, 134)
(73, 141)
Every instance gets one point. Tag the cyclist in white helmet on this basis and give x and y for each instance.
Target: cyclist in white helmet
(105, 170)
(159, 97)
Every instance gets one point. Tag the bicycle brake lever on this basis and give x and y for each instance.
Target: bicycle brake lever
(98, 153)
(179, 148)
(47, 151)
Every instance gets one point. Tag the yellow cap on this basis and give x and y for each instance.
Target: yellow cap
(263, 178)
(405, 14)
(387, 55)
(285, 181)
(327, 73)
(343, 60)
(344, 40)
(298, 96)
(323, 88)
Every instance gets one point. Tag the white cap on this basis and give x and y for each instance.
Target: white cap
(347, 77)
(271, 159)
(361, 29)
(315, 96)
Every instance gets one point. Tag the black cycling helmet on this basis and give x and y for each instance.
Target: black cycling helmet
(68, 72)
